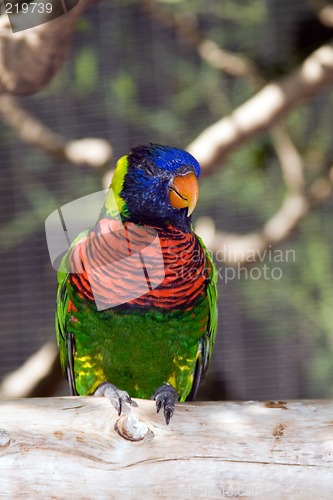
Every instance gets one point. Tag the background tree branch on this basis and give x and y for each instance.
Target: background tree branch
(263, 110)
(89, 151)
(29, 59)
(246, 249)
(37, 377)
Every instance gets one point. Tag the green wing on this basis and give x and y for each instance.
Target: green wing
(64, 338)
(213, 311)
(207, 341)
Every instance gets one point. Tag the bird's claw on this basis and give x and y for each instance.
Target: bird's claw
(166, 397)
(116, 396)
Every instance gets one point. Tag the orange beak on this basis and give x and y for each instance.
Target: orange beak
(184, 192)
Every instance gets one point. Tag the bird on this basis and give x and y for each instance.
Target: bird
(136, 313)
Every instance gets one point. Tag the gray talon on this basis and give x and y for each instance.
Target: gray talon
(166, 397)
(116, 396)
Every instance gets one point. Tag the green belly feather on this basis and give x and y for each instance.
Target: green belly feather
(137, 350)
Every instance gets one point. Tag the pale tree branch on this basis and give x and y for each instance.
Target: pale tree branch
(235, 250)
(236, 65)
(29, 128)
(89, 151)
(326, 15)
(324, 11)
(290, 160)
(263, 110)
(260, 113)
(214, 55)
(29, 59)
(38, 376)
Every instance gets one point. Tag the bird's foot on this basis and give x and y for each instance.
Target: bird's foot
(166, 396)
(116, 396)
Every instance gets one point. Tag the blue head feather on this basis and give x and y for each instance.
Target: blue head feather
(150, 170)
(166, 158)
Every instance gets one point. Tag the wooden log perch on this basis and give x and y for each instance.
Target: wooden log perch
(74, 448)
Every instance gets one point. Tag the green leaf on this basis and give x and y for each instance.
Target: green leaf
(86, 70)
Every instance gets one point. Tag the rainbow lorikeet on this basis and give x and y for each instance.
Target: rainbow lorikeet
(137, 298)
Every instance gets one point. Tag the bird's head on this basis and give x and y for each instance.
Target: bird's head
(157, 185)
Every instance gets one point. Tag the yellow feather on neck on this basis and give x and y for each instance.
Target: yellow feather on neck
(114, 203)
